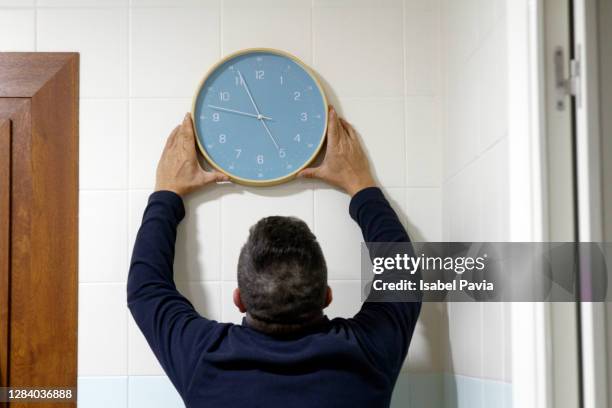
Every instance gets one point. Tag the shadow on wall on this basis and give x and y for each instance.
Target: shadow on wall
(424, 382)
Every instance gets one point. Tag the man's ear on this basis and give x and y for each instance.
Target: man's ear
(328, 297)
(238, 301)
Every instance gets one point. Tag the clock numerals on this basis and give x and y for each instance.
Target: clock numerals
(224, 96)
(260, 118)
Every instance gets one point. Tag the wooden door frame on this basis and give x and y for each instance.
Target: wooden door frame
(39, 92)
(5, 185)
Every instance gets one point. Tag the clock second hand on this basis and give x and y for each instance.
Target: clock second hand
(259, 116)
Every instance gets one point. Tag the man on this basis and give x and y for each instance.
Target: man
(286, 352)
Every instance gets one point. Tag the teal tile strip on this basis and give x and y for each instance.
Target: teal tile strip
(411, 391)
(102, 392)
(450, 391)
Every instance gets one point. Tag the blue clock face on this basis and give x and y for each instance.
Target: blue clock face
(260, 117)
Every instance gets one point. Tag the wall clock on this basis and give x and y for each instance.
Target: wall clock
(260, 116)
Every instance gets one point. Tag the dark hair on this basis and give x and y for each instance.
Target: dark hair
(282, 274)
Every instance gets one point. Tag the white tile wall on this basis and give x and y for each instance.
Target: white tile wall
(475, 180)
(171, 49)
(198, 259)
(271, 23)
(260, 202)
(100, 35)
(102, 348)
(423, 141)
(17, 30)
(16, 3)
(103, 135)
(140, 358)
(339, 237)
(346, 298)
(229, 311)
(81, 3)
(493, 87)
(380, 124)
(416, 78)
(465, 322)
(103, 255)
(424, 214)
(422, 33)
(151, 121)
(358, 47)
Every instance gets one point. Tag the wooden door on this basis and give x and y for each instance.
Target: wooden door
(39, 95)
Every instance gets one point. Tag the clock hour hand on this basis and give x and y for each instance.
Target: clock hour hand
(240, 112)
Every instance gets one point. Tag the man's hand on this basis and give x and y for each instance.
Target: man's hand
(178, 169)
(345, 164)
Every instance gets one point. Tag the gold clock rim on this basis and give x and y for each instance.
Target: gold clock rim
(252, 182)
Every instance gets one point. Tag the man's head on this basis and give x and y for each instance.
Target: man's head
(282, 276)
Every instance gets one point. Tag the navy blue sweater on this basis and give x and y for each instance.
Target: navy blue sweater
(338, 363)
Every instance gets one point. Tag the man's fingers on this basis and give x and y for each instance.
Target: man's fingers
(187, 129)
(187, 124)
(207, 177)
(172, 138)
(219, 177)
(311, 172)
(350, 131)
(188, 136)
(332, 126)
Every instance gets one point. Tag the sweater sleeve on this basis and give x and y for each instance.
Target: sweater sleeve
(385, 328)
(174, 330)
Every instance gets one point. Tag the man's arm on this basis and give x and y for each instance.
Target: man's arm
(174, 330)
(387, 326)
(385, 329)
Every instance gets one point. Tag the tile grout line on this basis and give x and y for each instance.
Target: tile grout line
(404, 206)
(36, 26)
(312, 59)
(127, 181)
(220, 28)
(454, 174)
(221, 265)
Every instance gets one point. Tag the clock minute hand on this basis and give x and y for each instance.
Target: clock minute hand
(259, 116)
(270, 134)
(240, 112)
